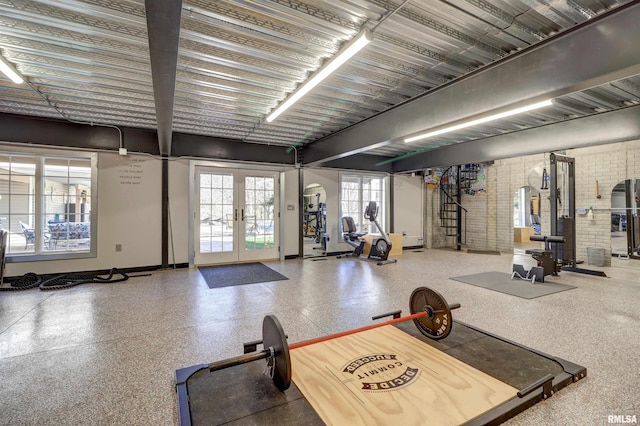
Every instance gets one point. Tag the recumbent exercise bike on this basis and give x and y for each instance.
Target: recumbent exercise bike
(380, 247)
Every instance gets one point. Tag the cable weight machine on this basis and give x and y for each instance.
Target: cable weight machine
(560, 247)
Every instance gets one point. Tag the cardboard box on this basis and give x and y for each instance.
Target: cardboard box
(522, 234)
(396, 243)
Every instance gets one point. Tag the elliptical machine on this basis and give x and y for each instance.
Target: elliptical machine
(380, 247)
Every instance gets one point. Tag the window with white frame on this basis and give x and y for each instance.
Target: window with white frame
(46, 204)
(357, 190)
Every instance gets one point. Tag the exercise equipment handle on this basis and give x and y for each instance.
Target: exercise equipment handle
(545, 382)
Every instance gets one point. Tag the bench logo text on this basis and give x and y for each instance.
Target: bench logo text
(380, 372)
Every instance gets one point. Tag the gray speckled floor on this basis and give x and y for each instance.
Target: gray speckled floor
(107, 353)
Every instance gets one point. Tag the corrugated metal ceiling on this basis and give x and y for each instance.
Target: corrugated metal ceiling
(89, 61)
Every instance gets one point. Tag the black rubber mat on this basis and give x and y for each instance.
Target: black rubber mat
(501, 282)
(238, 274)
(243, 395)
(509, 363)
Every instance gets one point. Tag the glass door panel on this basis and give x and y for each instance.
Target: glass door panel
(216, 239)
(259, 216)
(236, 216)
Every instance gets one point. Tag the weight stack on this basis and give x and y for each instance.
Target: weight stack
(563, 252)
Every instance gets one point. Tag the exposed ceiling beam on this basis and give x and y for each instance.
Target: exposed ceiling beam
(163, 29)
(57, 132)
(614, 126)
(186, 145)
(366, 162)
(601, 50)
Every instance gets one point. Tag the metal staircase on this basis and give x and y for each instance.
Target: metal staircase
(453, 217)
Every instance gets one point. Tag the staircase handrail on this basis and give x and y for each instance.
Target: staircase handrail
(462, 221)
(454, 200)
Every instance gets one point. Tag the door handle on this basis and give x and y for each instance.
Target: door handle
(235, 215)
(243, 215)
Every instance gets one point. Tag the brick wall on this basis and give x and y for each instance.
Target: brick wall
(490, 217)
(435, 235)
(476, 219)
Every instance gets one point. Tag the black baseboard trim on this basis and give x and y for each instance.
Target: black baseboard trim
(412, 247)
(291, 256)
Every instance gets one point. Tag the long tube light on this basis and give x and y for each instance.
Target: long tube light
(353, 47)
(10, 71)
(493, 117)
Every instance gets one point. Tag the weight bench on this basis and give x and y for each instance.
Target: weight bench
(547, 264)
(548, 239)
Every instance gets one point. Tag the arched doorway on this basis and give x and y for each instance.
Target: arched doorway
(526, 217)
(625, 219)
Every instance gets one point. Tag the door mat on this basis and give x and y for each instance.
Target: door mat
(502, 282)
(472, 251)
(238, 274)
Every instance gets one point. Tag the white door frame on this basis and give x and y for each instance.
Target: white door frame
(193, 197)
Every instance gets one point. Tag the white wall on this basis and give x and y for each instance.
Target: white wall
(408, 209)
(128, 213)
(291, 213)
(179, 209)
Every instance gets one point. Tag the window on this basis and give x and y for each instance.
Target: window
(357, 190)
(46, 204)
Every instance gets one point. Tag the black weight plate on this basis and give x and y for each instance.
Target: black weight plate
(273, 336)
(437, 325)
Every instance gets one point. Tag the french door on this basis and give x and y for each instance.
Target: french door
(236, 215)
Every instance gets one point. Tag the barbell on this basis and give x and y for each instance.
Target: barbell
(430, 313)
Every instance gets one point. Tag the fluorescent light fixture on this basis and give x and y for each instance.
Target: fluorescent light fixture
(353, 47)
(466, 124)
(10, 71)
